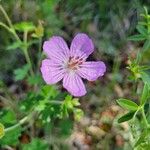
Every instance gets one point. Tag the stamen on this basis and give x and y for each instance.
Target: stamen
(74, 62)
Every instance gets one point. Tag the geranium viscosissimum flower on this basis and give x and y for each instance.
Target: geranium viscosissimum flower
(70, 64)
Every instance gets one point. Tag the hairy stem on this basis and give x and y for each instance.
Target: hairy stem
(25, 50)
(6, 16)
(22, 121)
(11, 27)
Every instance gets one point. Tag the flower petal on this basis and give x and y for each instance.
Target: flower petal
(81, 43)
(92, 70)
(74, 84)
(56, 48)
(52, 72)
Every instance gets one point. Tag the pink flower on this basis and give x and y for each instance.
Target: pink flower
(70, 65)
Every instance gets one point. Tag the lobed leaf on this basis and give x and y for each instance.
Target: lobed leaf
(21, 73)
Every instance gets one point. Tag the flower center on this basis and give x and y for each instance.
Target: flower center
(74, 63)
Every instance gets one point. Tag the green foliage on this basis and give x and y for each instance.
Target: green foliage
(33, 80)
(7, 117)
(145, 94)
(108, 25)
(21, 73)
(141, 139)
(35, 144)
(14, 46)
(138, 71)
(11, 137)
(65, 126)
(78, 114)
(127, 104)
(142, 126)
(24, 27)
(138, 37)
(126, 117)
(69, 105)
(143, 28)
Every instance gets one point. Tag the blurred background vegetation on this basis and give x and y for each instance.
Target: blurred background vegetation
(108, 23)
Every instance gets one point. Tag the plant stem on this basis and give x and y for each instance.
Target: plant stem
(7, 101)
(55, 102)
(25, 50)
(11, 29)
(39, 53)
(28, 117)
(144, 117)
(6, 16)
(22, 121)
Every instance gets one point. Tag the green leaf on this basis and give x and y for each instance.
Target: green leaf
(138, 37)
(78, 114)
(14, 46)
(30, 101)
(11, 137)
(145, 94)
(141, 139)
(21, 73)
(146, 78)
(67, 106)
(141, 29)
(65, 126)
(24, 26)
(36, 144)
(49, 91)
(146, 45)
(36, 79)
(76, 102)
(127, 104)
(126, 117)
(7, 116)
